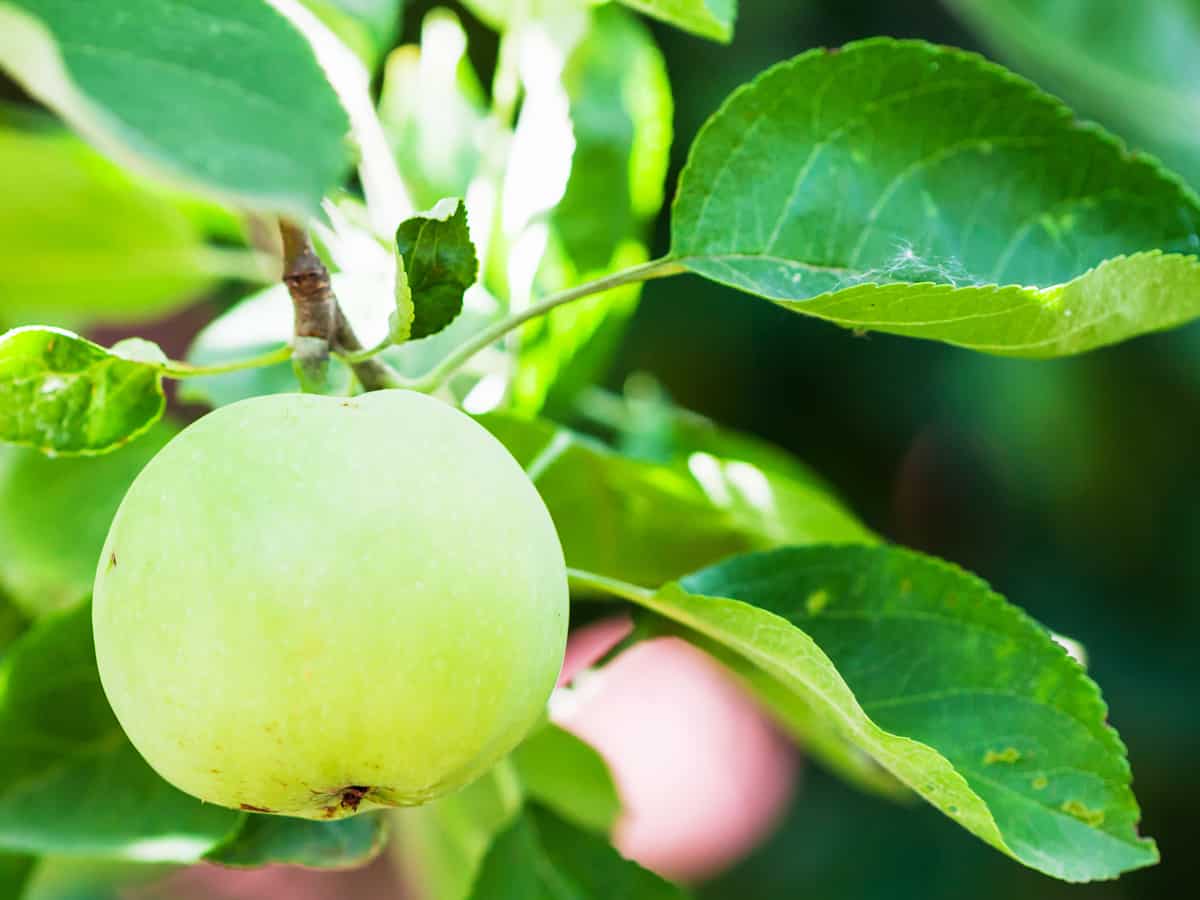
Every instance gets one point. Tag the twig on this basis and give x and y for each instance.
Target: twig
(320, 323)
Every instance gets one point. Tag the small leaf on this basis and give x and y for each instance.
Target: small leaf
(541, 857)
(648, 523)
(62, 394)
(440, 263)
(957, 693)
(919, 190)
(567, 775)
(265, 840)
(70, 782)
(55, 514)
(222, 94)
(707, 18)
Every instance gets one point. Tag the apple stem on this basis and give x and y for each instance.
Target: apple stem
(320, 323)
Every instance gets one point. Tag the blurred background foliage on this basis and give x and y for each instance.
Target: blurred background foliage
(1070, 485)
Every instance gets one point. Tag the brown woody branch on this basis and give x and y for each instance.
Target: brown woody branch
(320, 323)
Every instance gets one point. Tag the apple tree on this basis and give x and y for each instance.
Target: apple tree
(337, 603)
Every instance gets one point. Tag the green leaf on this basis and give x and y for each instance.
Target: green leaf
(55, 514)
(1136, 68)
(264, 840)
(80, 240)
(64, 395)
(562, 772)
(439, 262)
(434, 111)
(648, 523)
(920, 190)
(14, 870)
(224, 95)
(618, 100)
(707, 18)
(444, 842)
(541, 857)
(368, 27)
(957, 693)
(70, 782)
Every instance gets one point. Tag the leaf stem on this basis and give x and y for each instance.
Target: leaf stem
(432, 380)
(174, 369)
(613, 587)
(354, 357)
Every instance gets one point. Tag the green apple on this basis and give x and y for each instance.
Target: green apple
(314, 606)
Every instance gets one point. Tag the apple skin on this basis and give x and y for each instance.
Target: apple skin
(315, 606)
(702, 773)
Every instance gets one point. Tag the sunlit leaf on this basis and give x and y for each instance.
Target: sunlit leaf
(707, 18)
(957, 693)
(919, 190)
(444, 842)
(542, 857)
(81, 240)
(618, 111)
(64, 395)
(565, 774)
(648, 523)
(223, 95)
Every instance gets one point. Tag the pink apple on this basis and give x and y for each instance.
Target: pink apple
(703, 774)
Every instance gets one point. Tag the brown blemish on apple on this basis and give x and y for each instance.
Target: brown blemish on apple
(352, 796)
(257, 809)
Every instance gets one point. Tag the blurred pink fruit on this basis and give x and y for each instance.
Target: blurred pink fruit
(702, 773)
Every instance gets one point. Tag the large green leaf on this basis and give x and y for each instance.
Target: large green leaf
(920, 190)
(541, 857)
(1136, 67)
(70, 782)
(957, 693)
(80, 239)
(55, 514)
(618, 102)
(301, 842)
(707, 18)
(64, 395)
(565, 774)
(648, 523)
(223, 95)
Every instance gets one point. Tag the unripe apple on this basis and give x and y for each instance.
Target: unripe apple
(702, 773)
(315, 606)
